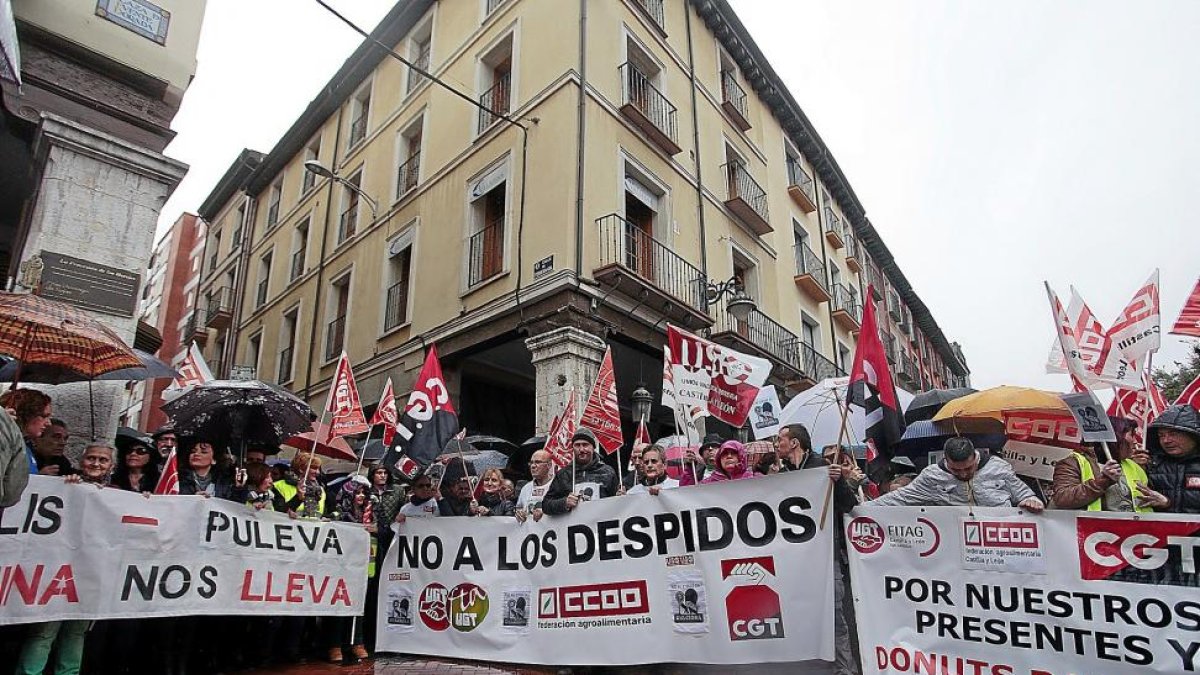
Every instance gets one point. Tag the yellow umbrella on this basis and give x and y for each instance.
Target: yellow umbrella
(993, 403)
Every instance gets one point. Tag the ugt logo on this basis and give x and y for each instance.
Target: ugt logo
(752, 607)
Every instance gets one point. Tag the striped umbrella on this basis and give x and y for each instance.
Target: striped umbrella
(37, 330)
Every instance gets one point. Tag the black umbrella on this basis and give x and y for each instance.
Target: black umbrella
(492, 443)
(927, 403)
(239, 412)
(923, 437)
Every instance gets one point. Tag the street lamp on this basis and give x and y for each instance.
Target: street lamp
(314, 167)
(739, 305)
(642, 401)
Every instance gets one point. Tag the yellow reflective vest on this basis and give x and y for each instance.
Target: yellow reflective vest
(287, 490)
(1133, 473)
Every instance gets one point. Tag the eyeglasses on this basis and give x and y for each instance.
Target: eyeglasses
(139, 450)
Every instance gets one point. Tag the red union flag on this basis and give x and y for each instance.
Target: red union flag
(1141, 405)
(1190, 395)
(168, 482)
(1066, 341)
(1188, 322)
(1103, 362)
(192, 371)
(558, 439)
(601, 413)
(344, 404)
(1137, 330)
(712, 378)
(385, 413)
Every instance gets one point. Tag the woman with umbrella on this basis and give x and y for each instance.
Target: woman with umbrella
(136, 469)
(204, 477)
(301, 495)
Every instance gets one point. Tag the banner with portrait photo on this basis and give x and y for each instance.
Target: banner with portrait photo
(1004, 592)
(735, 572)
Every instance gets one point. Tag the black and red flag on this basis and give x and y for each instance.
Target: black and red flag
(872, 388)
(429, 421)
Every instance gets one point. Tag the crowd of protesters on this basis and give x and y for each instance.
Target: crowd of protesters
(1098, 477)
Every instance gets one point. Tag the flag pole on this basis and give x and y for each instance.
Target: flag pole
(620, 473)
(363, 454)
(1148, 375)
(845, 406)
(317, 430)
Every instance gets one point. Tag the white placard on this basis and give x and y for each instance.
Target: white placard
(764, 414)
(1033, 459)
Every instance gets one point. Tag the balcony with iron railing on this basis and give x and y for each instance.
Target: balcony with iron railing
(734, 100)
(308, 182)
(815, 366)
(260, 297)
(764, 336)
(810, 273)
(834, 234)
(285, 365)
(335, 337)
(396, 310)
(421, 60)
(406, 175)
(485, 253)
(853, 254)
(909, 370)
(220, 308)
(647, 270)
(348, 223)
(875, 277)
(273, 211)
(801, 187)
(846, 310)
(297, 264)
(358, 130)
(653, 10)
(194, 330)
(648, 108)
(746, 198)
(889, 348)
(495, 101)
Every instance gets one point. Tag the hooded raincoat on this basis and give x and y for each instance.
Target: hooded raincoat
(742, 470)
(1177, 478)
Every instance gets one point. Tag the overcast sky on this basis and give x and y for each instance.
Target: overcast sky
(994, 145)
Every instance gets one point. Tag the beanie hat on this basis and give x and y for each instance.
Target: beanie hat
(585, 434)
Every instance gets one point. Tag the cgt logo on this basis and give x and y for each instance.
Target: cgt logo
(865, 535)
(1000, 534)
(613, 599)
(1142, 551)
(752, 608)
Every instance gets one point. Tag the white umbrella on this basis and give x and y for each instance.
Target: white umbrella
(819, 410)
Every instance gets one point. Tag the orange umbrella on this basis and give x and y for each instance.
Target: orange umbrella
(37, 330)
(336, 448)
(993, 403)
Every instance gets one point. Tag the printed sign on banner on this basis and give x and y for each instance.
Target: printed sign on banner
(1033, 459)
(1035, 603)
(1094, 425)
(650, 574)
(75, 552)
(764, 415)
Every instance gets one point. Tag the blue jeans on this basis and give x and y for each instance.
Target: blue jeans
(41, 639)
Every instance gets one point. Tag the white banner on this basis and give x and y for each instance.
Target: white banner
(735, 572)
(79, 552)
(1001, 592)
(1033, 459)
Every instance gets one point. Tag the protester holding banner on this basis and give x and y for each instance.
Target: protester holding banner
(635, 464)
(587, 478)
(492, 501)
(730, 464)
(1174, 444)
(529, 502)
(203, 477)
(457, 499)
(14, 468)
(259, 484)
(300, 495)
(1081, 482)
(164, 441)
(965, 477)
(49, 450)
(422, 502)
(697, 465)
(136, 470)
(30, 409)
(653, 478)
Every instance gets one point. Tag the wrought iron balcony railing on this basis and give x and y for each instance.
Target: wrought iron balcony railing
(742, 187)
(734, 100)
(799, 181)
(656, 111)
(496, 101)
(260, 297)
(273, 212)
(421, 61)
(623, 243)
(816, 366)
(335, 338)
(348, 223)
(406, 175)
(297, 264)
(808, 262)
(358, 131)
(285, 365)
(396, 310)
(653, 9)
(485, 253)
(844, 301)
(833, 228)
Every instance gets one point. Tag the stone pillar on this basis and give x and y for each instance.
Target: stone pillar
(563, 358)
(99, 198)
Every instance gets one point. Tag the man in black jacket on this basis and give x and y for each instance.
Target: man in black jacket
(589, 478)
(1174, 444)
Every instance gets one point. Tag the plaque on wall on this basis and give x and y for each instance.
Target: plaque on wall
(140, 16)
(89, 285)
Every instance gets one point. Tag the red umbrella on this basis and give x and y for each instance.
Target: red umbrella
(336, 448)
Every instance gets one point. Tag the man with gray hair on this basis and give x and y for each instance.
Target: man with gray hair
(964, 477)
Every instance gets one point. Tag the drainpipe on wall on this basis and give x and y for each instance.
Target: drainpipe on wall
(687, 13)
(579, 144)
(817, 190)
(249, 212)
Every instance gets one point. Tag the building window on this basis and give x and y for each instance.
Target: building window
(239, 220)
(273, 202)
(348, 222)
(264, 280)
(491, 6)
(253, 346)
(733, 98)
(214, 255)
(496, 83)
(843, 358)
(299, 249)
(810, 333)
(643, 203)
(287, 340)
(489, 210)
(312, 153)
(409, 171)
(360, 109)
(745, 273)
(420, 50)
(399, 272)
(335, 330)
